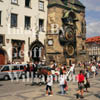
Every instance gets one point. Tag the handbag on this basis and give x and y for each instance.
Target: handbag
(88, 84)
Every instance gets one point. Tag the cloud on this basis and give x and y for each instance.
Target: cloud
(93, 29)
(92, 17)
(92, 5)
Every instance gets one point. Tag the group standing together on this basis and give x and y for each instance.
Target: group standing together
(66, 75)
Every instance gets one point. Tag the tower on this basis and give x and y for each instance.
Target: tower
(66, 31)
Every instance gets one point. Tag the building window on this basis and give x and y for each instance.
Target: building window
(1, 39)
(27, 22)
(27, 3)
(13, 20)
(0, 17)
(17, 50)
(41, 25)
(14, 1)
(1, 1)
(41, 5)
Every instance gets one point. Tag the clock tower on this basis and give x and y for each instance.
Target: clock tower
(66, 32)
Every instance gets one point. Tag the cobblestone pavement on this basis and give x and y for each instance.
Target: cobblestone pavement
(38, 93)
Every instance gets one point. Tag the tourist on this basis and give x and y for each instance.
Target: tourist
(93, 69)
(80, 85)
(86, 84)
(72, 72)
(49, 84)
(62, 80)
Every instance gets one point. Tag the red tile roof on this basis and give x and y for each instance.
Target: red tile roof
(95, 39)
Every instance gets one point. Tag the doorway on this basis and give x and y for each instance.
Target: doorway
(2, 57)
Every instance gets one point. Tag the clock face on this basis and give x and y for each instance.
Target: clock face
(50, 42)
(70, 50)
(69, 34)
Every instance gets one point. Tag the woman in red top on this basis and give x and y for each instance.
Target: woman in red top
(80, 84)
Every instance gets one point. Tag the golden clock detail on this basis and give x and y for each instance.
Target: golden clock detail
(69, 34)
(70, 50)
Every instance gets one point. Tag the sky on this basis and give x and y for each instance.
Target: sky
(92, 17)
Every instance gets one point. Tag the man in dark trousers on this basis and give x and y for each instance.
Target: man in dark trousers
(80, 85)
(35, 68)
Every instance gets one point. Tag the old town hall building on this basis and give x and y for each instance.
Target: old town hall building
(66, 31)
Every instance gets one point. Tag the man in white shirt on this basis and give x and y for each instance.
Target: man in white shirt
(93, 69)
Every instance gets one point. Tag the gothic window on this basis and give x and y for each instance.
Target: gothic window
(71, 17)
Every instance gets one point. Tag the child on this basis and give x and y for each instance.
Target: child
(49, 83)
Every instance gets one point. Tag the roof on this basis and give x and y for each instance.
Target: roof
(64, 2)
(52, 2)
(95, 39)
(77, 2)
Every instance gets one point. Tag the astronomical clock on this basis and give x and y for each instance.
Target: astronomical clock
(67, 37)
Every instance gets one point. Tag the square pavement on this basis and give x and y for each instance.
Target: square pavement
(38, 92)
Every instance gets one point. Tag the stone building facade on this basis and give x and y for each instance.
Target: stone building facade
(22, 30)
(66, 31)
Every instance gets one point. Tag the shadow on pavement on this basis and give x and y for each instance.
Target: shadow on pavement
(97, 95)
(1, 85)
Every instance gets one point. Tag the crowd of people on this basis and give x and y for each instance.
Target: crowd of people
(80, 73)
(64, 74)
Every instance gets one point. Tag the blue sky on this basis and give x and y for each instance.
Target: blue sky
(92, 17)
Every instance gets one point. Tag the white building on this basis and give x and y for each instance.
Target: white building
(21, 21)
(93, 48)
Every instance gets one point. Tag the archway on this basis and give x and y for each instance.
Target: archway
(36, 51)
(3, 57)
